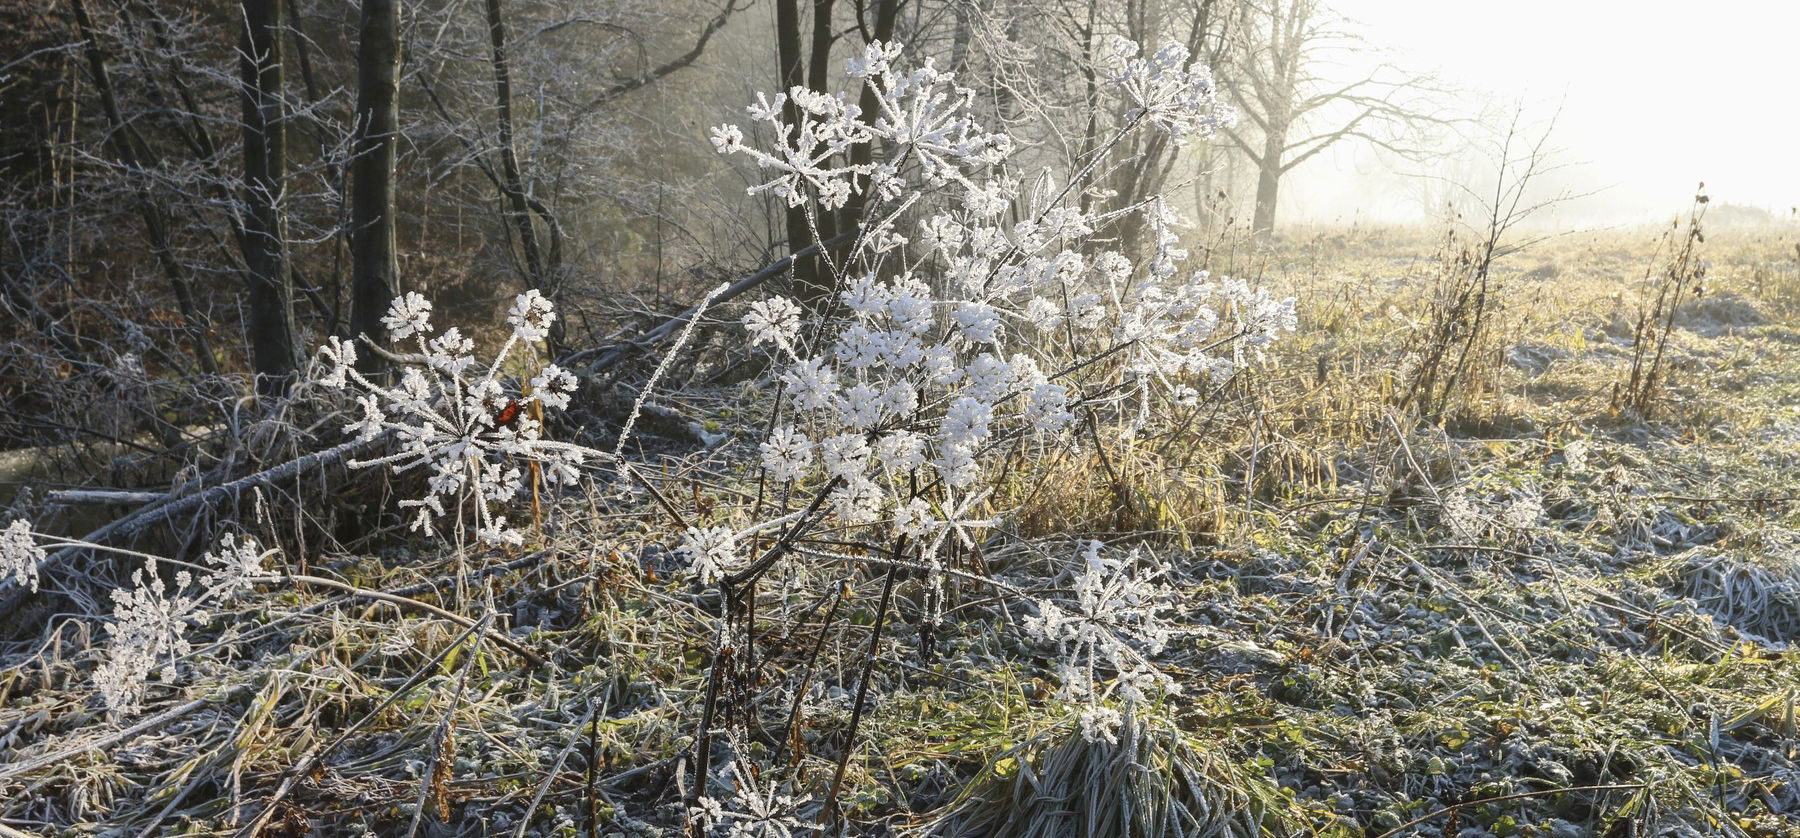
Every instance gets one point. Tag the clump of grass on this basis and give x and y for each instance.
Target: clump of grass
(1154, 781)
(1757, 594)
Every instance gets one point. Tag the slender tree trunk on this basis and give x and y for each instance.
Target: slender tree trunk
(961, 34)
(372, 240)
(125, 142)
(544, 272)
(512, 183)
(275, 351)
(818, 69)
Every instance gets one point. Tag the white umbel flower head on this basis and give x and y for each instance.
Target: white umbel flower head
(775, 321)
(786, 454)
(408, 315)
(531, 315)
(711, 552)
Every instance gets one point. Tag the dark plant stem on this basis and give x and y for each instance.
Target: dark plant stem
(792, 738)
(703, 741)
(834, 821)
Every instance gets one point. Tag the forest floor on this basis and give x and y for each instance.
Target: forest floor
(1541, 616)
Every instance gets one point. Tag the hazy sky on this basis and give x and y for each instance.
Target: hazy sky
(1654, 96)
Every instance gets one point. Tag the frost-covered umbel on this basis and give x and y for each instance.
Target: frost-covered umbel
(1174, 93)
(150, 621)
(975, 316)
(1112, 626)
(454, 416)
(20, 554)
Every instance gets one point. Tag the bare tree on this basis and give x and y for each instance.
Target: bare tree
(128, 145)
(1296, 113)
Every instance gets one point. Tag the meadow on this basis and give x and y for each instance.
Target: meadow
(1534, 611)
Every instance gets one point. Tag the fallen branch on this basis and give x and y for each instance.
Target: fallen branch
(77, 497)
(11, 593)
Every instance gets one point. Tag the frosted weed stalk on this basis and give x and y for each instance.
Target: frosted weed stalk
(150, 620)
(1114, 623)
(974, 318)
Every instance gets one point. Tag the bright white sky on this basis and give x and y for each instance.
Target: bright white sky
(1655, 96)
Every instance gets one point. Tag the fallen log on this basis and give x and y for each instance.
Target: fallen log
(11, 592)
(611, 355)
(80, 497)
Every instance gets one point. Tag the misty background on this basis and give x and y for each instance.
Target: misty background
(1648, 99)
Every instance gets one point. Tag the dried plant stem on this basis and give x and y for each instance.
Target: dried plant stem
(523, 651)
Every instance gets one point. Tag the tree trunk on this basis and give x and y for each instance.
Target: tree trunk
(825, 222)
(375, 268)
(512, 184)
(809, 287)
(1268, 184)
(275, 352)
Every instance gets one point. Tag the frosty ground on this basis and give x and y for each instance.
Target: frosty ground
(1538, 615)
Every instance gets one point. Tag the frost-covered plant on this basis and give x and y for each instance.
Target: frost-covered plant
(456, 418)
(20, 554)
(1457, 513)
(1167, 89)
(974, 317)
(962, 335)
(1523, 512)
(753, 809)
(1575, 456)
(150, 620)
(1113, 625)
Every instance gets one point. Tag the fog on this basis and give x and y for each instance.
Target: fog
(1647, 98)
